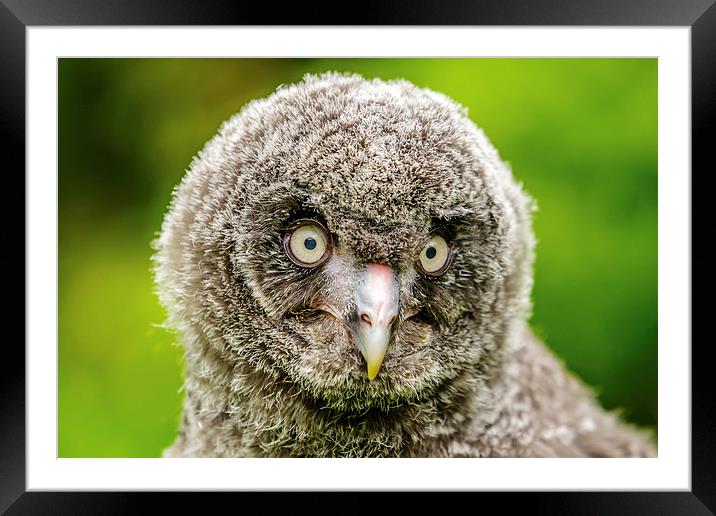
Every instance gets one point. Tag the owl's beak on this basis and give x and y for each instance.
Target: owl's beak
(376, 308)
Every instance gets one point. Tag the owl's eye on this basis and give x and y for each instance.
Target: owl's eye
(435, 257)
(307, 244)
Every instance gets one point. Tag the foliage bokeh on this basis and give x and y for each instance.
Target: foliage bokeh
(581, 134)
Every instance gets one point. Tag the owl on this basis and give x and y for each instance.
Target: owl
(348, 266)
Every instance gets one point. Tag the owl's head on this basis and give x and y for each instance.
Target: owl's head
(357, 240)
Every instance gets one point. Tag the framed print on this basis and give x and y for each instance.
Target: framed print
(358, 258)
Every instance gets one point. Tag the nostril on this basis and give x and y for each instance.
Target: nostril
(392, 320)
(366, 319)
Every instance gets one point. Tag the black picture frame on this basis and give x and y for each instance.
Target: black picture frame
(17, 15)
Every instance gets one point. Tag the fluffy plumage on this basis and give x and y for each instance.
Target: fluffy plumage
(380, 164)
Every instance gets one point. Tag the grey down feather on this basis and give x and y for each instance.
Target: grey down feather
(380, 163)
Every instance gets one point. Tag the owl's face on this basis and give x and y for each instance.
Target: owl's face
(359, 243)
(366, 301)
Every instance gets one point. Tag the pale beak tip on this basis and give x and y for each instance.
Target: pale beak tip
(373, 371)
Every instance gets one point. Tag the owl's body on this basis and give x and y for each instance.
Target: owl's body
(348, 264)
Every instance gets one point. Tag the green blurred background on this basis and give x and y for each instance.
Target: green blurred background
(581, 134)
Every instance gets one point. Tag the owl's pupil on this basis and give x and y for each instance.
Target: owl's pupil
(310, 243)
(430, 252)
